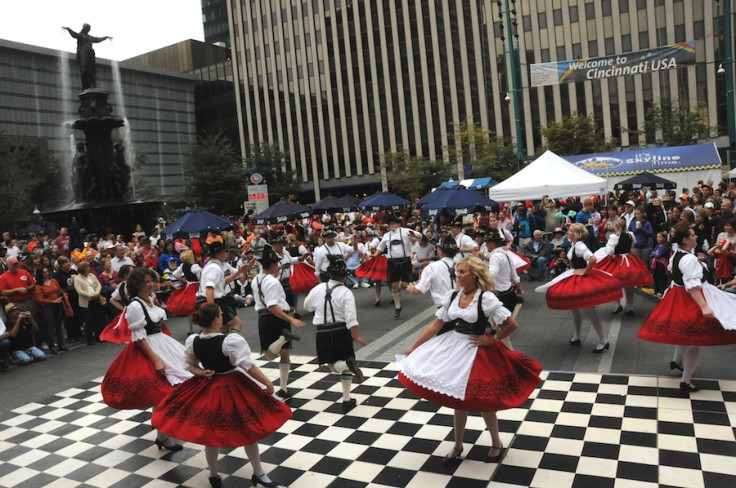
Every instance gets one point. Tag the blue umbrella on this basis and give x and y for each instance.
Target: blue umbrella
(282, 211)
(457, 200)
(328, 203)
(384, 201)
(197, 220)
(349, 202)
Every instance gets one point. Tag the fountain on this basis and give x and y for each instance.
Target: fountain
(101, 173)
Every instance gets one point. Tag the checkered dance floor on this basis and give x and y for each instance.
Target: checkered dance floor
(577, 430)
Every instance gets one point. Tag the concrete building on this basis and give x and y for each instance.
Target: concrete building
(338, 82)
(39, 100)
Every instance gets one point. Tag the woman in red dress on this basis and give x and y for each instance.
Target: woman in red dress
(617, 259)
(582, 287)
(467, 369)
(693, 313)
(225, 403)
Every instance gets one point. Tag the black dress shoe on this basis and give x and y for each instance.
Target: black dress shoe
(377, 304)
(63, 348)
(453, 456)
(575, 342)
(215, 481)
(283, 394)
(290, 335)
(688, 388)
(348, 405)
(297, 316)
(617, 310)
(256, 480)
(353, 365)
(497, 458)
(674, 365)
(599, 350)
(397, 313)
(173, 447)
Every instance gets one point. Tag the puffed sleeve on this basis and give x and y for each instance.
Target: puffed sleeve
(611, 244)
(189, 358)
(136, 321)
(582, 251)
(442, 312)
(692, 271)
(494, 309)
(197, 270)
(237, 349)
(178, 272)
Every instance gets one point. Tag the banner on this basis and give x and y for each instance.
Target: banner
(654, 160)
(638, 63)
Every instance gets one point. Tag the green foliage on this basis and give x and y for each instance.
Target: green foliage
(31, 177)
(214, 176)
(475, 145)
(413, 176)
(271, 162)
(672, 125)
(577, 134)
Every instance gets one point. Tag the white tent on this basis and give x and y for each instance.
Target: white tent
(732, 173)
(548, 175)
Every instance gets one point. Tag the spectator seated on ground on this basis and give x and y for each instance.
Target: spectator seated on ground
(22, 345)
(5, 336)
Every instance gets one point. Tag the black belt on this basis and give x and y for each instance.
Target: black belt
(265, 311)
(331, 327)
(507, 292)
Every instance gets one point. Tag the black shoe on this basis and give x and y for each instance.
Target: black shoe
(598, 350)
(674, 365)
(617, 310)
(256, 480)
(172, 447)
(348, 405)
(63, 348)
(453, 456)
(215, 481)
(90, 342)
(575, 342)
(397, 313)
(353, 365)
(297, 316)
(283, 394)
(377, 304)
(52, 349)
(688, 388)
(290, 335)
(497, 458)
(629, 312)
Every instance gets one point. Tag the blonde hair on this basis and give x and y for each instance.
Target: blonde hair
(479, 269)
(187, 256)
(580, 231)
(621, 224)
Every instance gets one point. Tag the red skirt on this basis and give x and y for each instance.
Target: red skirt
(131, 382)
(677, 320)
(523, 267)
(375, 269)
(499, 379)
(630, 270)
(182, 301)
(302, 278)
(577, 291)
(116, 331)
(230, 410)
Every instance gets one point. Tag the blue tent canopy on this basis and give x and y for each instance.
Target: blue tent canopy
(455, 201)
(384, 201)
(282, 211)
(197, 220)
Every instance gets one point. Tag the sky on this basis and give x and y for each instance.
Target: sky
(137, 26)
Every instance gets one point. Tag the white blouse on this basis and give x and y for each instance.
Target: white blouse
(491, 306)
(137, 319)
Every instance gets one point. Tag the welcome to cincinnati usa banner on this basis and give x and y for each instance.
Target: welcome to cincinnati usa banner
(637, 63)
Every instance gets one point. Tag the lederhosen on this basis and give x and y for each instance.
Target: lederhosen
(334, 342)
(399, 269)
(508, 297)
(463, 327)
(227, 303)
(151, 327)
(286, 267)
(209, 352)
(269, 325)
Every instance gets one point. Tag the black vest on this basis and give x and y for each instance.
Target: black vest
(677, 277)
(577, 262)
(187, 270)
(209, 352)
(624, 244)
(477, 328)
(151, 326)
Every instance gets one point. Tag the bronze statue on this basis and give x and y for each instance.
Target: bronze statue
(86, 54)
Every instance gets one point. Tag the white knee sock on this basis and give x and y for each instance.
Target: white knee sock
(284, 368)
(397, 299)
(346, 380)
(689, 363)
(210, 454)
(276, 345)
(254, 457)
(340, 367)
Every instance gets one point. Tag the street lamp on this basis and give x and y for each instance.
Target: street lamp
(508, 98)
(512, 33)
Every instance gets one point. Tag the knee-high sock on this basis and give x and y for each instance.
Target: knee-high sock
(577, 320)
(689, 363)
(629, 292)
(341, 367)
(397, 298)
(597, 324)
(346, 380)
(284, 368)
(254, 456)
(679, 352)
(210, 454)
(276, 345)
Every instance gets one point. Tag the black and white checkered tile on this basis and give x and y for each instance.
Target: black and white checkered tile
(577, 430)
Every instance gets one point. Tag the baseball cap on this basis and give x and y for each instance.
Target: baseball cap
(709, 205)
(13, 260)
(10, 306)
(630, 202)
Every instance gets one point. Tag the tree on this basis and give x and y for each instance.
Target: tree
(269, 161)
(481, 152)
(413, 176)
(577, 134)
(214, 176)
(671, 125)
(31, 177)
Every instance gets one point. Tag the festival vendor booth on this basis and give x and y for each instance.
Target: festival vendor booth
(549, 175)
(684, 165)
